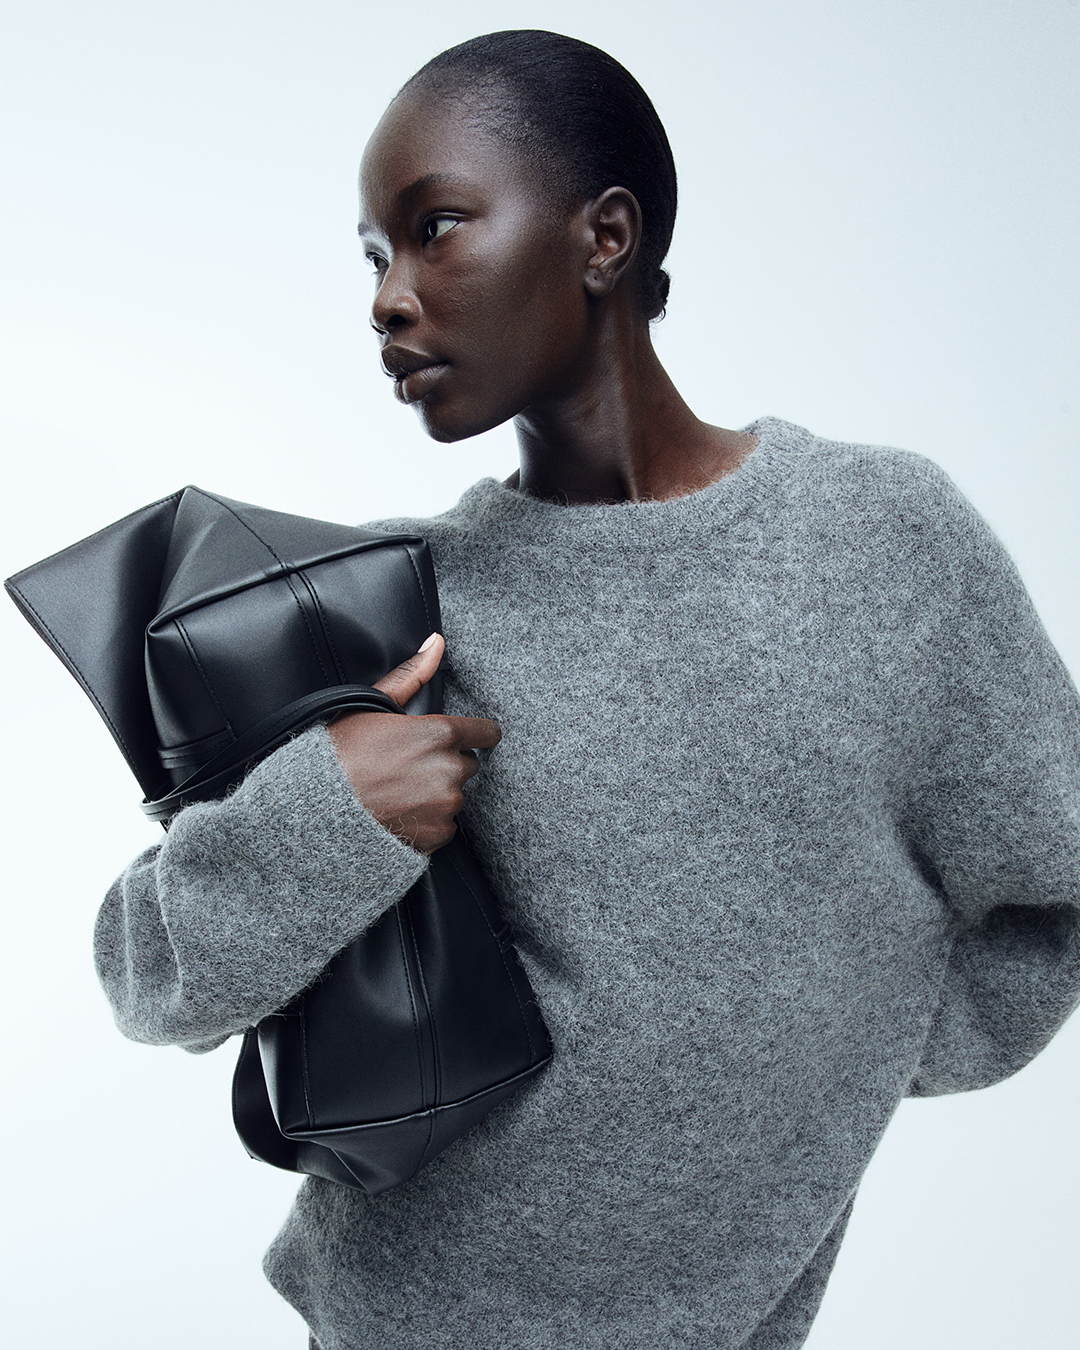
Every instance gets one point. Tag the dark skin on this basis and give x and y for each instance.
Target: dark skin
(496, 300)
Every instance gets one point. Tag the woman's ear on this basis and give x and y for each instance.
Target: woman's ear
(614, 222)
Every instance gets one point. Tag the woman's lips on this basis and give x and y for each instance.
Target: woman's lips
(417, 384)
(415, 373)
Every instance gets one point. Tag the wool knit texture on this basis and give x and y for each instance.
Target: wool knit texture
(786, 823)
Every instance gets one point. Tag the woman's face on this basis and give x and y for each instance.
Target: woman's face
(480, 301)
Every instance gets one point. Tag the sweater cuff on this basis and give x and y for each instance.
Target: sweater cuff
(303, 795)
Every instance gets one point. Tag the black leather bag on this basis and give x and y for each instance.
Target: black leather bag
(206, 632)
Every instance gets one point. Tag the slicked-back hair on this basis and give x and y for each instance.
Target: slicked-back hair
(580, 118)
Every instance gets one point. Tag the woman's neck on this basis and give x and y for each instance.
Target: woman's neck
(622, 432)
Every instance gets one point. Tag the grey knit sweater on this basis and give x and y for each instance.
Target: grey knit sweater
(786, 821)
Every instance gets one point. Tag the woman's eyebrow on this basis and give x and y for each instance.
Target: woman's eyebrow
(408, 195)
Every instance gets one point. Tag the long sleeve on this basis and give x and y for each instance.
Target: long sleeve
(245, 901)
(998, 817)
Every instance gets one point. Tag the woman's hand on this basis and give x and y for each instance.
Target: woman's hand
(410, 771)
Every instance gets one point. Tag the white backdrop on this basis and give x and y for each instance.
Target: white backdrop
(877, 239)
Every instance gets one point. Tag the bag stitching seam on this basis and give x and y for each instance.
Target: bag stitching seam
(502, 955)
(287, 577)
(321, 615)
(202, 673)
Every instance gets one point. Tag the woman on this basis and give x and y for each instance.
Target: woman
(766, 752)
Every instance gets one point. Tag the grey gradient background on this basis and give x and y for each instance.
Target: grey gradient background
(877, 239)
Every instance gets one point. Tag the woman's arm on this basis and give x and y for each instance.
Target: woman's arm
(246, 900)
(997, 821)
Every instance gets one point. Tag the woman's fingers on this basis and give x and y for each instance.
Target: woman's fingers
(409, 772)
(474, 733)
(467, 733)
(406, 680)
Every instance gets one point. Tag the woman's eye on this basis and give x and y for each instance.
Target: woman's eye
(437, 226)
(377, 261)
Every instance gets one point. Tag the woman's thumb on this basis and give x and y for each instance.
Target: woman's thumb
(404, 680)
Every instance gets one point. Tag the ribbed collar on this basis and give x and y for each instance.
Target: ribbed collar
(490, 505)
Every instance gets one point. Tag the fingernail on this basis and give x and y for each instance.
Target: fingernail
(428, 642)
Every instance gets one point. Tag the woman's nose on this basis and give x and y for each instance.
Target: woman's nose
(395, 301)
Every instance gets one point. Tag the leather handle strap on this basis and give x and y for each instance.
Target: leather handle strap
(227, 767)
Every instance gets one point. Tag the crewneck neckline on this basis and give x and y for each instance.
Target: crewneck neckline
(725, 495)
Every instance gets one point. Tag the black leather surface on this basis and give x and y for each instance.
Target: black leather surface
(92, 603)
(206, 631)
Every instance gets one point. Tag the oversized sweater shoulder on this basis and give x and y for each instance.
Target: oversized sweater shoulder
(786, 823)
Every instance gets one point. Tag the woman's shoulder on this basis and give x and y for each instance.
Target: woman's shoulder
(864, 468)
(890, 508)
(870, 483)
(453, 520)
